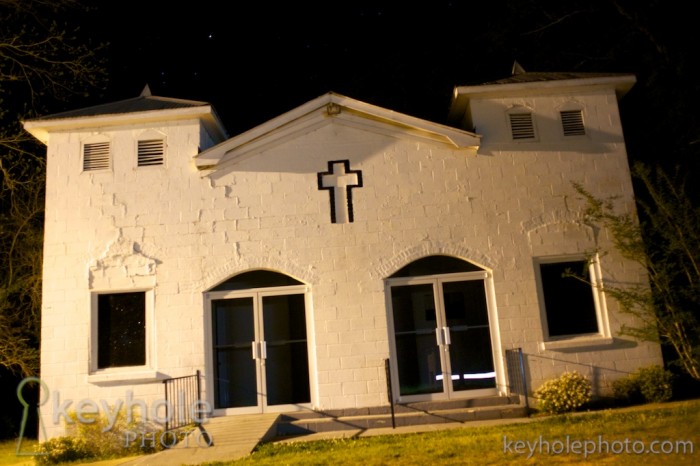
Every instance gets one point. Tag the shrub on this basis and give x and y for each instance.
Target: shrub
(626, 391)
(566, 393)
(109, 441)
(651, 384)
(655, 383)
(63, 449)
(97, 440)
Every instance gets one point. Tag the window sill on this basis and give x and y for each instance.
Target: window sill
(577, 343)
(125, 377)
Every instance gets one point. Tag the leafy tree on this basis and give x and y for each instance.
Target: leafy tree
(666, 242)
(40, 64)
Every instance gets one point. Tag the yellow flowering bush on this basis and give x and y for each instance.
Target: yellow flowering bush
(96, 437)
(62, 450)
(566, 393)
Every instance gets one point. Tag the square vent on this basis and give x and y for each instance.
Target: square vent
(96, 156)
(151, 152)
(572, 123)
(522, 126)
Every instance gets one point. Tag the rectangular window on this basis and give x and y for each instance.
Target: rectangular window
(572, 123)
(569, 301)
(121, 329)
(96, 156)
(521, 125)
(151, 152)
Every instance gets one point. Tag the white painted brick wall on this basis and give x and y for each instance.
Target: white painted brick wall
(174, 230)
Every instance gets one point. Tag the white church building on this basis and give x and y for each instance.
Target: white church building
(287, 263)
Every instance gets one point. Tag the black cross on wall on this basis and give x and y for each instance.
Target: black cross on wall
(339, 181)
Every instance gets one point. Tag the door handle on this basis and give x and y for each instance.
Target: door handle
(259, 349)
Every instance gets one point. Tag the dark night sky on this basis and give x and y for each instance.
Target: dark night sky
(253, 62)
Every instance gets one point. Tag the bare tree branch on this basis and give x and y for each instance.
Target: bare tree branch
(39, 62)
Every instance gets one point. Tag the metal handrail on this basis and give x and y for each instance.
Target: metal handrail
(181, 395)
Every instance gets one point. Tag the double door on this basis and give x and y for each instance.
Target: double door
(442, 338)
(260, 352)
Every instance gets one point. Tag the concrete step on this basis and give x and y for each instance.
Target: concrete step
(462, 411)
(229, 438)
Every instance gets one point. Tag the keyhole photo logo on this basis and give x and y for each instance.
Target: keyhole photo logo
(27, 411)
(128, 420)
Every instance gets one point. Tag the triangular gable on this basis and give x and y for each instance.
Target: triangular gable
(337, 109)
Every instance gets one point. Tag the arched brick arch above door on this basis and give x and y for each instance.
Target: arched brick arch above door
(388, 267)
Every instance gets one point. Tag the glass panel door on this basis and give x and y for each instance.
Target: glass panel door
(260, 349)
(286, 356)
(234, 367)
(468, 338)
(418, 356)
(442, 337)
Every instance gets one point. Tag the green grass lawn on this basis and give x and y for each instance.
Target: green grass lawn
(8, 453)
(625, 436)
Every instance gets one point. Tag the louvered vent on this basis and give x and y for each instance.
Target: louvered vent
(96, 156)
(151, 152)
(521, 126)
(572, 123)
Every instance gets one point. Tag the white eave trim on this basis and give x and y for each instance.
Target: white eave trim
(40, 129)
(462, 94)
(620, 83)
(341, 110)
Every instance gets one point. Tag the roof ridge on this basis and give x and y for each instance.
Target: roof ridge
(176, 100)
(140, 103)
(532, 76)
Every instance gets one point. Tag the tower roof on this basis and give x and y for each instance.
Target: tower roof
(144, 109)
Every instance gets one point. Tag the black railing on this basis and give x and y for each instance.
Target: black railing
(515, 365)
(182, 396)
(390, 392)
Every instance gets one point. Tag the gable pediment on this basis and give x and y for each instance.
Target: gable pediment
(334, 109)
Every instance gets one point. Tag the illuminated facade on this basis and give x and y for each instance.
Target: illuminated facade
(287, 263)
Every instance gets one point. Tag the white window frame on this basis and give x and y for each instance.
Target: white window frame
(142, 373)
(602, 336)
